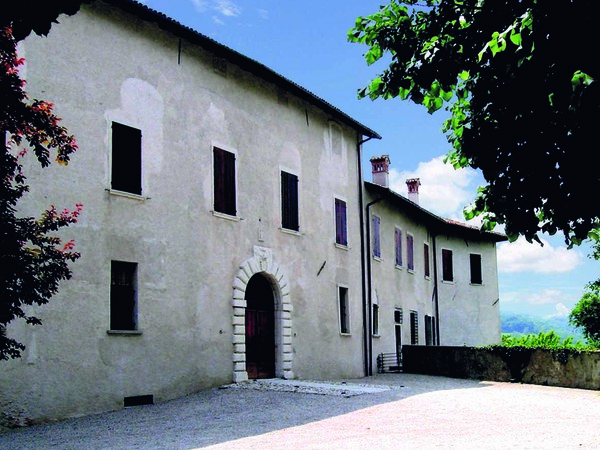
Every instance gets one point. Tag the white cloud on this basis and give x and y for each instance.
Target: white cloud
(200, 5)
(226, 8)
(546, 297)
(444, 190)
(561, 310)
(545, 303)
(521, 256)
(263, 14)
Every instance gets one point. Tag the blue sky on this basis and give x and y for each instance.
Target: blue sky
(306, 42)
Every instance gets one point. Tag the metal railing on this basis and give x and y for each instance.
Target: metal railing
(389, 362)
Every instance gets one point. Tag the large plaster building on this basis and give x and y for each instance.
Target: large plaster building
(226, 232)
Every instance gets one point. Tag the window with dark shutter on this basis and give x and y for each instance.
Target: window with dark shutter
(410, 252)
(376, 237)
(126, 159)
(224, 182)
(398, 316)
(375, 319)
(341, 228)
(414, 327)
(476, 274)
(289, 201)
(123, 296)
(447, 269)
(426, 268)
(398, 241)
(429, 330)
(344, 312)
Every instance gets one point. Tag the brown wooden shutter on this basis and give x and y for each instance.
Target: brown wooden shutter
(447, 269)
(426, 270)
(224, 182)
(398, 238)
(123, 296)
(476, 275)
(341, 234)
(289, 201)
(126, 174)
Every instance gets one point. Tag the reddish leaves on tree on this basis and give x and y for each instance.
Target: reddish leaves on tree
(33, 261)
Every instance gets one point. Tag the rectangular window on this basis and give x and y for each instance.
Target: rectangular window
(476, 274)
(344, 310)
(410, 252)
(429, 330)
(398, 240)
(376, 237)
(375, 319)
(123, 295)
(447, 269)
(289, 201)
(398, 316)
(126, 159)
(426, 267)
(224, 182)
(341, 226)
(414, 327)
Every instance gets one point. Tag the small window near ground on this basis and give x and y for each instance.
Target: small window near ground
(476, 274)
(123, 296)
(289, 201)
(344, 310)
(224, 182)
(447, 266)
(126, 159)
(341, 225)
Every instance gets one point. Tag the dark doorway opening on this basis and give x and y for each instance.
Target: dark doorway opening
(260, 328)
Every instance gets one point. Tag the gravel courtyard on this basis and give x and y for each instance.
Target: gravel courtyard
(380, 412)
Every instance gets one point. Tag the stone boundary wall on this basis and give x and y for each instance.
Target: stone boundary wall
(563, 367)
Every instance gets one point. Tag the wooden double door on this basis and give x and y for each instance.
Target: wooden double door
(260, 328)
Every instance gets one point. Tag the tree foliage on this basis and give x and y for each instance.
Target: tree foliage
(33, 259)
(519, 79)
(586, 314)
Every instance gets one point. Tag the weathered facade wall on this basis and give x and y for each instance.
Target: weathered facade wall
(469, 312)
(564, 368)
(466, 312)
(103, 65)
(396, 287)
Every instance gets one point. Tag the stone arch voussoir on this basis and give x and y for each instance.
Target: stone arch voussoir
(262, 262)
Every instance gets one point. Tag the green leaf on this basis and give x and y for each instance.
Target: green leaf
(579, 78)
(515, 37)
(374, 54)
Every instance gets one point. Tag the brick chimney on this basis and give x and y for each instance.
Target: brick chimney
(413, 189)
(381, 173)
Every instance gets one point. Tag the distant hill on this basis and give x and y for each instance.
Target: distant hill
(523, 324)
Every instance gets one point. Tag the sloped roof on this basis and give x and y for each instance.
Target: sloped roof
(147, 14)
(438, 224)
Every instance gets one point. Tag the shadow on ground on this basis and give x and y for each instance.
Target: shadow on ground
(220, 415)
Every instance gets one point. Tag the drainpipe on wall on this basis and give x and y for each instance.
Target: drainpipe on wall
(369, 305)
(366, 333)
(436, 291)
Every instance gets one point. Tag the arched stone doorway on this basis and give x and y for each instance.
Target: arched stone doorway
(267, 270)
(260, 328)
